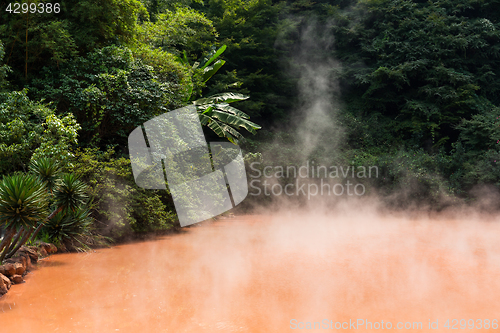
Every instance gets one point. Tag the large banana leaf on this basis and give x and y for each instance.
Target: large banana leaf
(235, 121)
(221, 98)
(208, 72)
(232, 110)
(215, 56)
(223, 124)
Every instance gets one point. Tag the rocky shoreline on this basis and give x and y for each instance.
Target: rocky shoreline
(14, 269)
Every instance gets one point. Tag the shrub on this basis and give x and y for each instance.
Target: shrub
(119, 206)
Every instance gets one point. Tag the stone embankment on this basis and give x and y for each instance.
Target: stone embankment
(14, 269)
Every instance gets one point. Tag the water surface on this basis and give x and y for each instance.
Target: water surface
(257, 273)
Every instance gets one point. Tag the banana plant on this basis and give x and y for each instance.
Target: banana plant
(215, 111)
(209, 71)
(204, 65)
(225, 120)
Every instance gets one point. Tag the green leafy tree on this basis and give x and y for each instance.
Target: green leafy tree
(29, 128)
(179, 30)
(256, 56)
(4, 69)
(119, 206)
(419, 66)
(110, 92)
(35, 40)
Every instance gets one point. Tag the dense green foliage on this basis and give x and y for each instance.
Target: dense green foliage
(120, 205)
(426, 66)
(424, 75)
(30, 129)
(110, 93)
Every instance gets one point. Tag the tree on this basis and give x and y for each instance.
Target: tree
(110, 92)
(257, 55)
(4, 69)
(35, 40)
(69, 195)
(179, 30)
(29, 128)
(215, 111)
(419, 67)
(25, 199)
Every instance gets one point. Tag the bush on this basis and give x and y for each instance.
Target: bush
(30, 129)
(119, 206)
(72, 231)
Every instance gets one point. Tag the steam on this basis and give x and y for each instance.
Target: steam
(257, 273)
(318, 90)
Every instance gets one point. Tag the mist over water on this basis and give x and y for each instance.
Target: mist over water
(256, 273)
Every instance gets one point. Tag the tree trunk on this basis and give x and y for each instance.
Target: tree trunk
(16, 239)
(43, 222)
(25, 238)
(6, 242)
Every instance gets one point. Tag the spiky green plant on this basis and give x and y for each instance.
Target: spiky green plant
(48, 169)
(71, 229)
(23, 201)
(69, 193)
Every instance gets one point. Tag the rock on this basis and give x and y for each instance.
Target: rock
(3, 287)
(53, 248)
(17, 260)
(30, 252)
(5, 280)
(22, 260)
(48, 247)
(19, 268)
(3, 271)
(9, 269)
(16, 279)
(43, 252)
(26, 260)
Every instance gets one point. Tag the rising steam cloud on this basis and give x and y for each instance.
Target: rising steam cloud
(318, 89)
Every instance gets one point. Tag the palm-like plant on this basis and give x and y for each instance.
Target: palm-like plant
(69, 193)
(47, 169)
(23, 201)
(73, 228)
